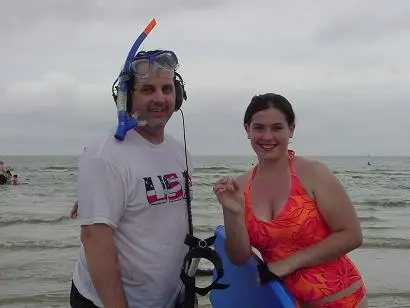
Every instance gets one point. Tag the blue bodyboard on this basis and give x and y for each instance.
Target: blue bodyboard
(244, 290)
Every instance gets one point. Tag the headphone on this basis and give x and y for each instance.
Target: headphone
(180, 93)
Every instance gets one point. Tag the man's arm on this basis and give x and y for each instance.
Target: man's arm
(101, 255)
(101, 199)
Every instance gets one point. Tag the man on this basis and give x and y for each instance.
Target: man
(132, 202)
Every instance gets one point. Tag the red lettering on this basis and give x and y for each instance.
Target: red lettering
(175, 191)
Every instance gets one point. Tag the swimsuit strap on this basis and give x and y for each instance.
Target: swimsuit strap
(247, 190)
(291, 154)
(250, 180)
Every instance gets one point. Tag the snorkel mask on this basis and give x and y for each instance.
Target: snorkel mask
(126, 122)
(164, 63)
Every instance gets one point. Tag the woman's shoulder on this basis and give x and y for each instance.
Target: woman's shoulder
(311, 168)
(243, 178)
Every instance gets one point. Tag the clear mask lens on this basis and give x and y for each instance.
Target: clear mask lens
(163, 64)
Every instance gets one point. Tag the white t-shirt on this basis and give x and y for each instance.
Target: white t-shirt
(138, 189)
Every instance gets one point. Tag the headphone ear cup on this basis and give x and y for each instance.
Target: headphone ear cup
(179, 96)
(180, 93)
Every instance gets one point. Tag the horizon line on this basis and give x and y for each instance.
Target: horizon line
(221, 155)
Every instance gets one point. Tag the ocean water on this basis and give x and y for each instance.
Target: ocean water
(39, 242)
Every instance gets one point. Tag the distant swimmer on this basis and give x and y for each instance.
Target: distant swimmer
(3, 179)
(14, 182)
(3, 174)
(6, 177)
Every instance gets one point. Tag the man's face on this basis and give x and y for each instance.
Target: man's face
(154, 99)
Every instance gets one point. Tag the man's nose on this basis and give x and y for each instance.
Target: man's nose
(159, 96)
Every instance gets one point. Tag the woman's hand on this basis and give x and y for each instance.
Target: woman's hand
(282, 268)
(229, 195)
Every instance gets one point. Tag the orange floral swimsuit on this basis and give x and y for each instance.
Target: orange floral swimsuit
(297, 226)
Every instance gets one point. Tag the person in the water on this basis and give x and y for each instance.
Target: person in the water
(3, 174)
(14, 181)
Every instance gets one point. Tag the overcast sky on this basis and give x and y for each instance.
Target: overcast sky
(344, 65)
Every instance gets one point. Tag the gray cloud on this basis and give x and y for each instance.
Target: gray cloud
(344, 66)
(327, 124)
(364, 24)
(22, 16)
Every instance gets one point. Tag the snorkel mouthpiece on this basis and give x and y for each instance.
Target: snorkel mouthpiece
(125, 122)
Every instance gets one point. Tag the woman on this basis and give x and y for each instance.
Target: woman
(294, 211)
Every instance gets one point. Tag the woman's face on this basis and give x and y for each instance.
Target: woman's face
(269, 133)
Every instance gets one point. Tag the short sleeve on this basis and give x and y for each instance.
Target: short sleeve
(101, 190)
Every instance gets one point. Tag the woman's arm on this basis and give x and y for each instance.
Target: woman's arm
(229, 193)
(237, 243)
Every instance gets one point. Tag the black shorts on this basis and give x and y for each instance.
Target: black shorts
(79, 301)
